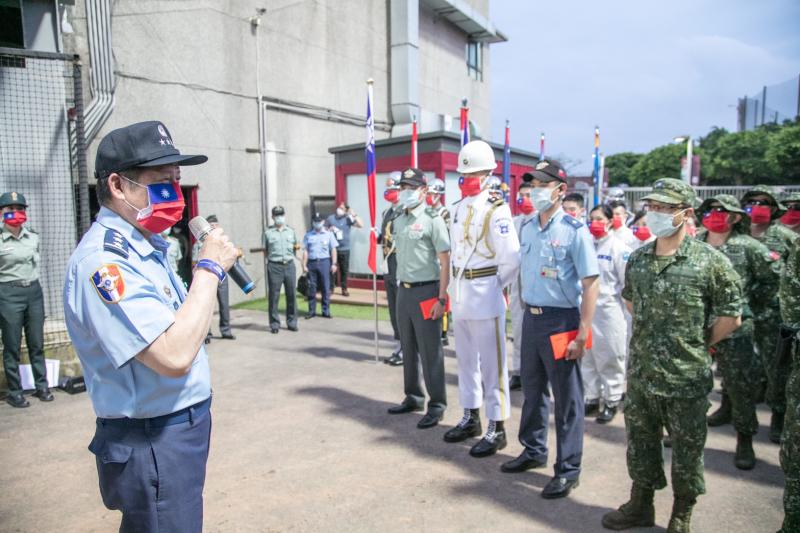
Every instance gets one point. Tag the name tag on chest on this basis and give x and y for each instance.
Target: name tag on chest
(549, 272)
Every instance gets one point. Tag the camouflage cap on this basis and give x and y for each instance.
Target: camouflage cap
(769, 192)
(793, 196)
(12, 198)
(673, 192)
(728, 201)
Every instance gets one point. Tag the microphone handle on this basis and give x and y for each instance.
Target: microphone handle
(242, 279)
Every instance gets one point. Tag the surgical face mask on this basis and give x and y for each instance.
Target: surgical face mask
(15, 218)
(469, 185)
(525, 205)
(598, 229)
(164, 206)
(390, 195)
(340, 212)
(279, 220)
(318, 225)
(616, 222)
(717, 222)
(792, 216)
(759, 214)
(409, 198)
(660, 224)
(542, 198)
(641, 232)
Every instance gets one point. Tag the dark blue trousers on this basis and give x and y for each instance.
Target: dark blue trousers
(319, 276)
(539, 368)
(154, 475)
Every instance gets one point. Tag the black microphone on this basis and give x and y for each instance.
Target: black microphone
(200, 228)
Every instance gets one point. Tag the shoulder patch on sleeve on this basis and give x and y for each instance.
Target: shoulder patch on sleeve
(114, 242)
(109, 283)
(571, 221)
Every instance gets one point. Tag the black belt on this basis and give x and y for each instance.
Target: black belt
(475, 273)
(545, 310)
(408, 285)
(283, 262)
(19, 283)
(315, 260)
(178, 417)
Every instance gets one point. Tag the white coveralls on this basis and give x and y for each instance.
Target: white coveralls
(517, 306)
(603, 366)
(478, 305)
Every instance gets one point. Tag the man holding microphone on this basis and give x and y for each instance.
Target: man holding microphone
(139, 335)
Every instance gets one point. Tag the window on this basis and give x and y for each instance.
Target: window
(475, 60)
(11, 24)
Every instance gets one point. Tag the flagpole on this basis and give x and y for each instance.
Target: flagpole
(541, 147)
(597, 176)
(371, 168)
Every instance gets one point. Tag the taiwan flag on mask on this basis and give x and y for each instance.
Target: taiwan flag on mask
(164, 197)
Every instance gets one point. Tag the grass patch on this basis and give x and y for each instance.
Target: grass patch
(362, 312)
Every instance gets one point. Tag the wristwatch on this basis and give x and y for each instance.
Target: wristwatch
(443, 301)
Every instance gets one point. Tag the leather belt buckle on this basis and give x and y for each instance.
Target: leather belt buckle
(406, 285)
(536, 310)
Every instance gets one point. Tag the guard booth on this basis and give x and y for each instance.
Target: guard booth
(437, 157)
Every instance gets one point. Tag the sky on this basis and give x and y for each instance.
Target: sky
(644, 71)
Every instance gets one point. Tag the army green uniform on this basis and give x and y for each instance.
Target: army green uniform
(780, 240)
(790, 442)
(21, 306)
(420, 234)
(281, 245)
(736, 355)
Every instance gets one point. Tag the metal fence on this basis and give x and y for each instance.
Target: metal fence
(773, 104)
(43, 156)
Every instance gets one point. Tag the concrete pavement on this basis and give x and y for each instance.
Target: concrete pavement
(301, 442)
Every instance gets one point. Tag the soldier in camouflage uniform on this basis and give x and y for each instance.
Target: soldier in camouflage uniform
(761, 204)
(673, 284)
(790, 446)
(791, 219)
(728, 231)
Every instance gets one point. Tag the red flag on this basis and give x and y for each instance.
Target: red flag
(414, 144)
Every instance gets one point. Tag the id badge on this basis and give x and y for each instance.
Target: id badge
(549, 272)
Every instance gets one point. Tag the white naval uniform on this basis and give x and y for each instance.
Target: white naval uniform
(517, 306)
(603, 366)
(478, 305)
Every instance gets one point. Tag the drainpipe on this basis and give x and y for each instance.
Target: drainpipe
(101, 64)
(404, 62)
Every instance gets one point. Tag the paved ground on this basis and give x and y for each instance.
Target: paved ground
(302, 442)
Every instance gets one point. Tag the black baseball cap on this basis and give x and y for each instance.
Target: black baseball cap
(278, 210)
(317, 218)
(547, 170)
(212, 218)
(413, 177)
(144, 144)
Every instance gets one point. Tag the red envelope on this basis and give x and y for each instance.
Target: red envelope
(426, 306)
(560, 341)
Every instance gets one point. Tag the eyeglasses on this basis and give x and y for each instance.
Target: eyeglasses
(663, 208)
(716, 209)
(757, 202)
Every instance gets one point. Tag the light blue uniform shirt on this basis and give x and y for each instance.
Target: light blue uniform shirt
(320, 244)
(119, 296)
(554, 260)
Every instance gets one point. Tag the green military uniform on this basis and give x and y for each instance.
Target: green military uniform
(281, 245)
(21, 301)
(420, 234)
(790, 443)
(780, 240)
(736, 355)
(669, 365)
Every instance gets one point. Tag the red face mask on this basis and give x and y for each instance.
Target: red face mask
(760, 214)
(616, 221)
(390, 195)
(791, 218)
(525, 205)
(642, 232)
(15, 218)
(716, 222)
(429, 200)
(597, 228)
(470, 186)
(164, 208)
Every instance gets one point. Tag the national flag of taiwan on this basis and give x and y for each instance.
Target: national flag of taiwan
(370, 155)
(507, 163)
(464, 122)
(165, 194)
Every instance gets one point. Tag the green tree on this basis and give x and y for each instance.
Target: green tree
(661, 162)
(619, 167)
(739, 158)
(783, 154)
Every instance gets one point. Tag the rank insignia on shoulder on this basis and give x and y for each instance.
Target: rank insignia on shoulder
(114, 242)
(569, 220)
(109, 283)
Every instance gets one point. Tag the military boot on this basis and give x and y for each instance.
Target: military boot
(723, 415)
(776, 427)
(681, 515)
(637, 512)
(745, 458)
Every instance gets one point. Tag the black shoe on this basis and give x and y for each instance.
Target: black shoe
(606, 415)
(310, 315)
(515, 383)
(292, 328)
(404, 408)
(17, 400)
(326, 315)
(591, 408)
(485, 448)
(521, 464)
(229, 336)
(44, 394)
(429, 420)
(559, 487)
(462, 433)
(273, 330)
(394, 360)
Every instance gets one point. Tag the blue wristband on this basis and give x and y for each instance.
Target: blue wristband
(213, 267)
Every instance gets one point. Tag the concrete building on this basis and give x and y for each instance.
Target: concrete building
(200, 66)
